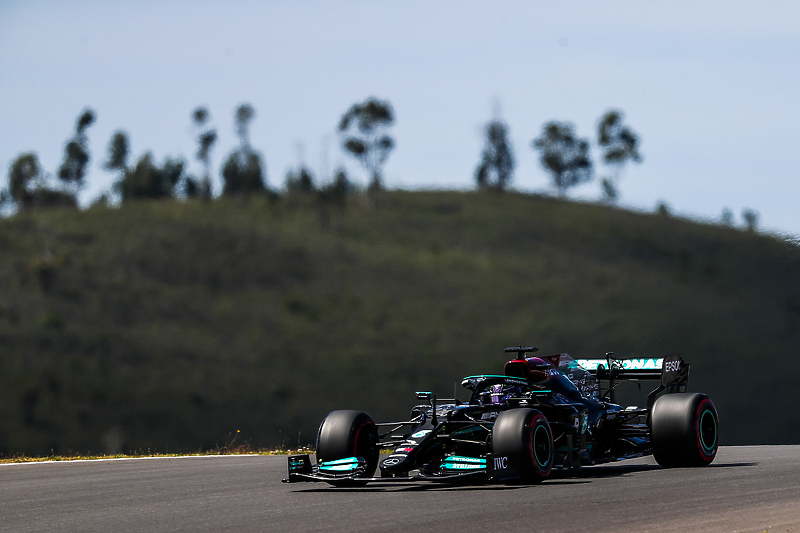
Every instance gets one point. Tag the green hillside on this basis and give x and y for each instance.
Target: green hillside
(171, 326)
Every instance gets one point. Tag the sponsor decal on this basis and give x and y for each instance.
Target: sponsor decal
(404, 450)
(300, 464)
(642, 364)
(626, 364)
(391, 461)
(500, 463)
(463, 463)
(462, 466)
(672, 366)
(420, 434)
(591, 364)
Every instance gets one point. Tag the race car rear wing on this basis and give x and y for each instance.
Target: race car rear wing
(612, 368)
(672, 371)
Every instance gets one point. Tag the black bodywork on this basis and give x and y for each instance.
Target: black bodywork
(450, 440)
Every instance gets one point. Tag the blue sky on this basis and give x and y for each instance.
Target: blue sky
(710, 87)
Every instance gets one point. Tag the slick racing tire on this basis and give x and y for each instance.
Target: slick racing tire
(685, 430)
(346, 434)
(525, 435)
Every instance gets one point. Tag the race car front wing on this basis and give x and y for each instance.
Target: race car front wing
(493, 467)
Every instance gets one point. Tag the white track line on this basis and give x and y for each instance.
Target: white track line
(126, 459)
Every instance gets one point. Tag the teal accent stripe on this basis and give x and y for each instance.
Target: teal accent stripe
(702, 436)
(491, 376)
(341, 465)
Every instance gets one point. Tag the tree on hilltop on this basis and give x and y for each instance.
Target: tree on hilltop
(27, 185)
(148, 180)
(750, 218)
(76, 154)
(364, 132)
(300, 181)
(497, 161)
(340, 188)
(23, 172)
(206, 138)
(242, 172)
(564, 155)
(619, 145)
(118, 152)
(337, 190)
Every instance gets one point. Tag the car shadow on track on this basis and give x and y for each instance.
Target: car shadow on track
(617, 470)
(437, 486)
(603, 471)
(732, 465)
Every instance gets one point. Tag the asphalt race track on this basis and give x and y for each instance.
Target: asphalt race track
(750, 488)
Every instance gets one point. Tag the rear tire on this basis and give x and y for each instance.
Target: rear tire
(685, 430)
(525, 434)
(346, 434)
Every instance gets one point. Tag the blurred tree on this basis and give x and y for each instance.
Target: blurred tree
(146, 180)
(117, 157)
(300, 181)
(242, 174)
(750, 218)
(619, 145)
(364, 133)
(76, 154)
(727, 217)
(206, 137)
(27, 185)
(118, 152)
(336, 191)
(497, 162)
(341, 187)
(45, 196)
(242, 171)
(564, 155)
(23, 173)
(333, 194)
(610, 191)
(191, 186)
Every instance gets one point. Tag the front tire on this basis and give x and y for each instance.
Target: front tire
(346, 434)
(685, 430)
(525, 434)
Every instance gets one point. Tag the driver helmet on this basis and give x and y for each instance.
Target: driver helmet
(496, 394)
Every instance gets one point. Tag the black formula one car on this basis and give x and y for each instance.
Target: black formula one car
(542, 413)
